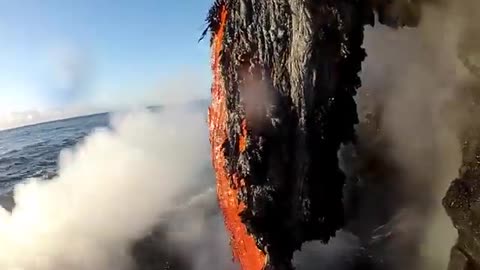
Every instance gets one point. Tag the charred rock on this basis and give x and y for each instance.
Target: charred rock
(288, 74)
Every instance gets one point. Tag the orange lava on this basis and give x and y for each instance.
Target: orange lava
(243, 137)
(244, 249)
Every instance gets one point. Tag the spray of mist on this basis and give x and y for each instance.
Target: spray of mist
(409, 79)
(112, 190)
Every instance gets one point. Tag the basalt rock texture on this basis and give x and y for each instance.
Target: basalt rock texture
(285, 73)
(463, 206)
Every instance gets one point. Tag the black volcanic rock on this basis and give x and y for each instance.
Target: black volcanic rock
(289, 86)
(462, 203)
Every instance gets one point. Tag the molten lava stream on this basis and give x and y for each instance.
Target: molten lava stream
(244, 248)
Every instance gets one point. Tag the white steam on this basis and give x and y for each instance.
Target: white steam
(112, 189)
(411, 76)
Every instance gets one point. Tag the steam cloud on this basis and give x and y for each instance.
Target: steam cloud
(112, 190)
(410, 79)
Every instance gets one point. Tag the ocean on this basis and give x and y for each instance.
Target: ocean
(33, 151)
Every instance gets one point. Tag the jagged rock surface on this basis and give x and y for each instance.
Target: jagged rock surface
(462, 204)
(289, 73)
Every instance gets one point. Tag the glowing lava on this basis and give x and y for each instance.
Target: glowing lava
(243, 245)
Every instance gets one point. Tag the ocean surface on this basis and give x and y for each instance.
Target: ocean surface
(32, 151)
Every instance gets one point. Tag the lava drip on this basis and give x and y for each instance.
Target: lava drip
(284, 76)
(243, 244)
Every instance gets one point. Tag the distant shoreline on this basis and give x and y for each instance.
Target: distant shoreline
(195, 103)
(54, 121)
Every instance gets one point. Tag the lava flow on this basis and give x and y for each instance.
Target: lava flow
(243, 244)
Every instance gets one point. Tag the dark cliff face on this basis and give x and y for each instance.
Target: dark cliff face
(289, 70)
(463, 206)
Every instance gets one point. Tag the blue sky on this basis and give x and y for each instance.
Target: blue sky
(54, 53)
